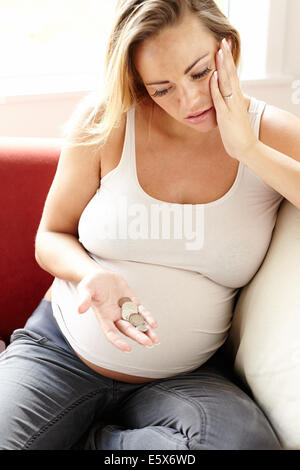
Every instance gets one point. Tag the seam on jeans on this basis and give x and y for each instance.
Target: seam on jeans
(190, 401)
(157, 429)
(60, 416)
(163, 433)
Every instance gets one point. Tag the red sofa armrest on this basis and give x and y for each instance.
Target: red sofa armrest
(27, 168)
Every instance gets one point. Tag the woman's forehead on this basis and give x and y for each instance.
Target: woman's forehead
(179, 44)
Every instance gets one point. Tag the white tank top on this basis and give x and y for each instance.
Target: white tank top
(185, 262)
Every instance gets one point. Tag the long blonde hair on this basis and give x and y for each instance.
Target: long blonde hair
(135, 21)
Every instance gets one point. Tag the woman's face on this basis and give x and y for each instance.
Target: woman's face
(176, 67)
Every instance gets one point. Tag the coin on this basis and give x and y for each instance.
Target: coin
(130, 313)
(122, 300)
(128, 308)
(136, 319)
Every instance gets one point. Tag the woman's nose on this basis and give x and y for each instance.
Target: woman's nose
(190, 98)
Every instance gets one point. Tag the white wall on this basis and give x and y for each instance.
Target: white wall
(279, 93)
(43, 116)
(292, 53)
(37, 116)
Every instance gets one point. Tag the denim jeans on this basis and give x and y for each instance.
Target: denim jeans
(49, 399)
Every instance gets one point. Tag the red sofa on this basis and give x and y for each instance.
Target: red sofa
(27, 168)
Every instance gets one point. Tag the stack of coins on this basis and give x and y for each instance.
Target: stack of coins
(130, 313)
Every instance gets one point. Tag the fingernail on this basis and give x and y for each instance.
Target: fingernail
(220, 52)
(149, 347)
(226, 43)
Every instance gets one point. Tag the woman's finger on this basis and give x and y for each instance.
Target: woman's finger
(224, 80)
(144, 312)
(112, 334)
(230, 65)
(152, 335)
(132, 332)
(85, 301)
(147, 316)
(218, 100)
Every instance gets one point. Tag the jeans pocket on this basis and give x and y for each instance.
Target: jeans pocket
(23, 333)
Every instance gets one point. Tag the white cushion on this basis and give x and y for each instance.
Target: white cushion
(264, 341)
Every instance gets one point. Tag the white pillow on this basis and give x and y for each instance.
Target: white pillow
(264, 341)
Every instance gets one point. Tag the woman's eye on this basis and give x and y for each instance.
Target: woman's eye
(160, 93)
(201, 74)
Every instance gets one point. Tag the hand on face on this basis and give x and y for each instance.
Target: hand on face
(231, 110)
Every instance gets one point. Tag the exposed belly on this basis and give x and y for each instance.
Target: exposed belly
(111, 374)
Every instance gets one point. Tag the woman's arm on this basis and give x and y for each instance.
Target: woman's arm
(57, 249)
(63, 256)
(276, 156)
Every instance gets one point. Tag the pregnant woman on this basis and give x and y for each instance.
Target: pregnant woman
(162, 207)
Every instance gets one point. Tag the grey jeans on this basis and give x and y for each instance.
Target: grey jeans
(49, 399)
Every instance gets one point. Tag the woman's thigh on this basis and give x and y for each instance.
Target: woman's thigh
(204, 409)
(48, 397)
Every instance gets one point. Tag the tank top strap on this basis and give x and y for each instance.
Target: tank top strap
(128, 156)
(126, 165)
(256, 110)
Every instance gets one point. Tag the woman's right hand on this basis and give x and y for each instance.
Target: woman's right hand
(101, 291)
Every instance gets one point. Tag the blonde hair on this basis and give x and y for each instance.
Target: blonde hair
(136, 21)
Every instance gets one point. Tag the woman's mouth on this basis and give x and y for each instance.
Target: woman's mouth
(195, 119)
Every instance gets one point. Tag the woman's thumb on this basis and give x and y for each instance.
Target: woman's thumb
(85, 301)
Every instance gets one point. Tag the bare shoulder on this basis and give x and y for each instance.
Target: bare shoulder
(78, 173)
(280, 130)
(88, 112)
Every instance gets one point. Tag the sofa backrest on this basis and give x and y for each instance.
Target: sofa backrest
(27, 168)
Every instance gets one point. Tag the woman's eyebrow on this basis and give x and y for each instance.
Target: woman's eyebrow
(185, 72)
(196, 62)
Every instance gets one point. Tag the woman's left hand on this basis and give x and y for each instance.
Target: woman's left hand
(232, 114)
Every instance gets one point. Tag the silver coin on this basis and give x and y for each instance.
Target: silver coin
(131, 305)
(136, 319)
(128, 308)
(127, 313)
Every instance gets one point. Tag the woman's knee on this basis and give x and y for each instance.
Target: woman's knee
(210, 416)
(236, 423)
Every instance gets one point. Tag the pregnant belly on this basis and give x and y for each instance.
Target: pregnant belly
(106, 372)
(193, 315)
